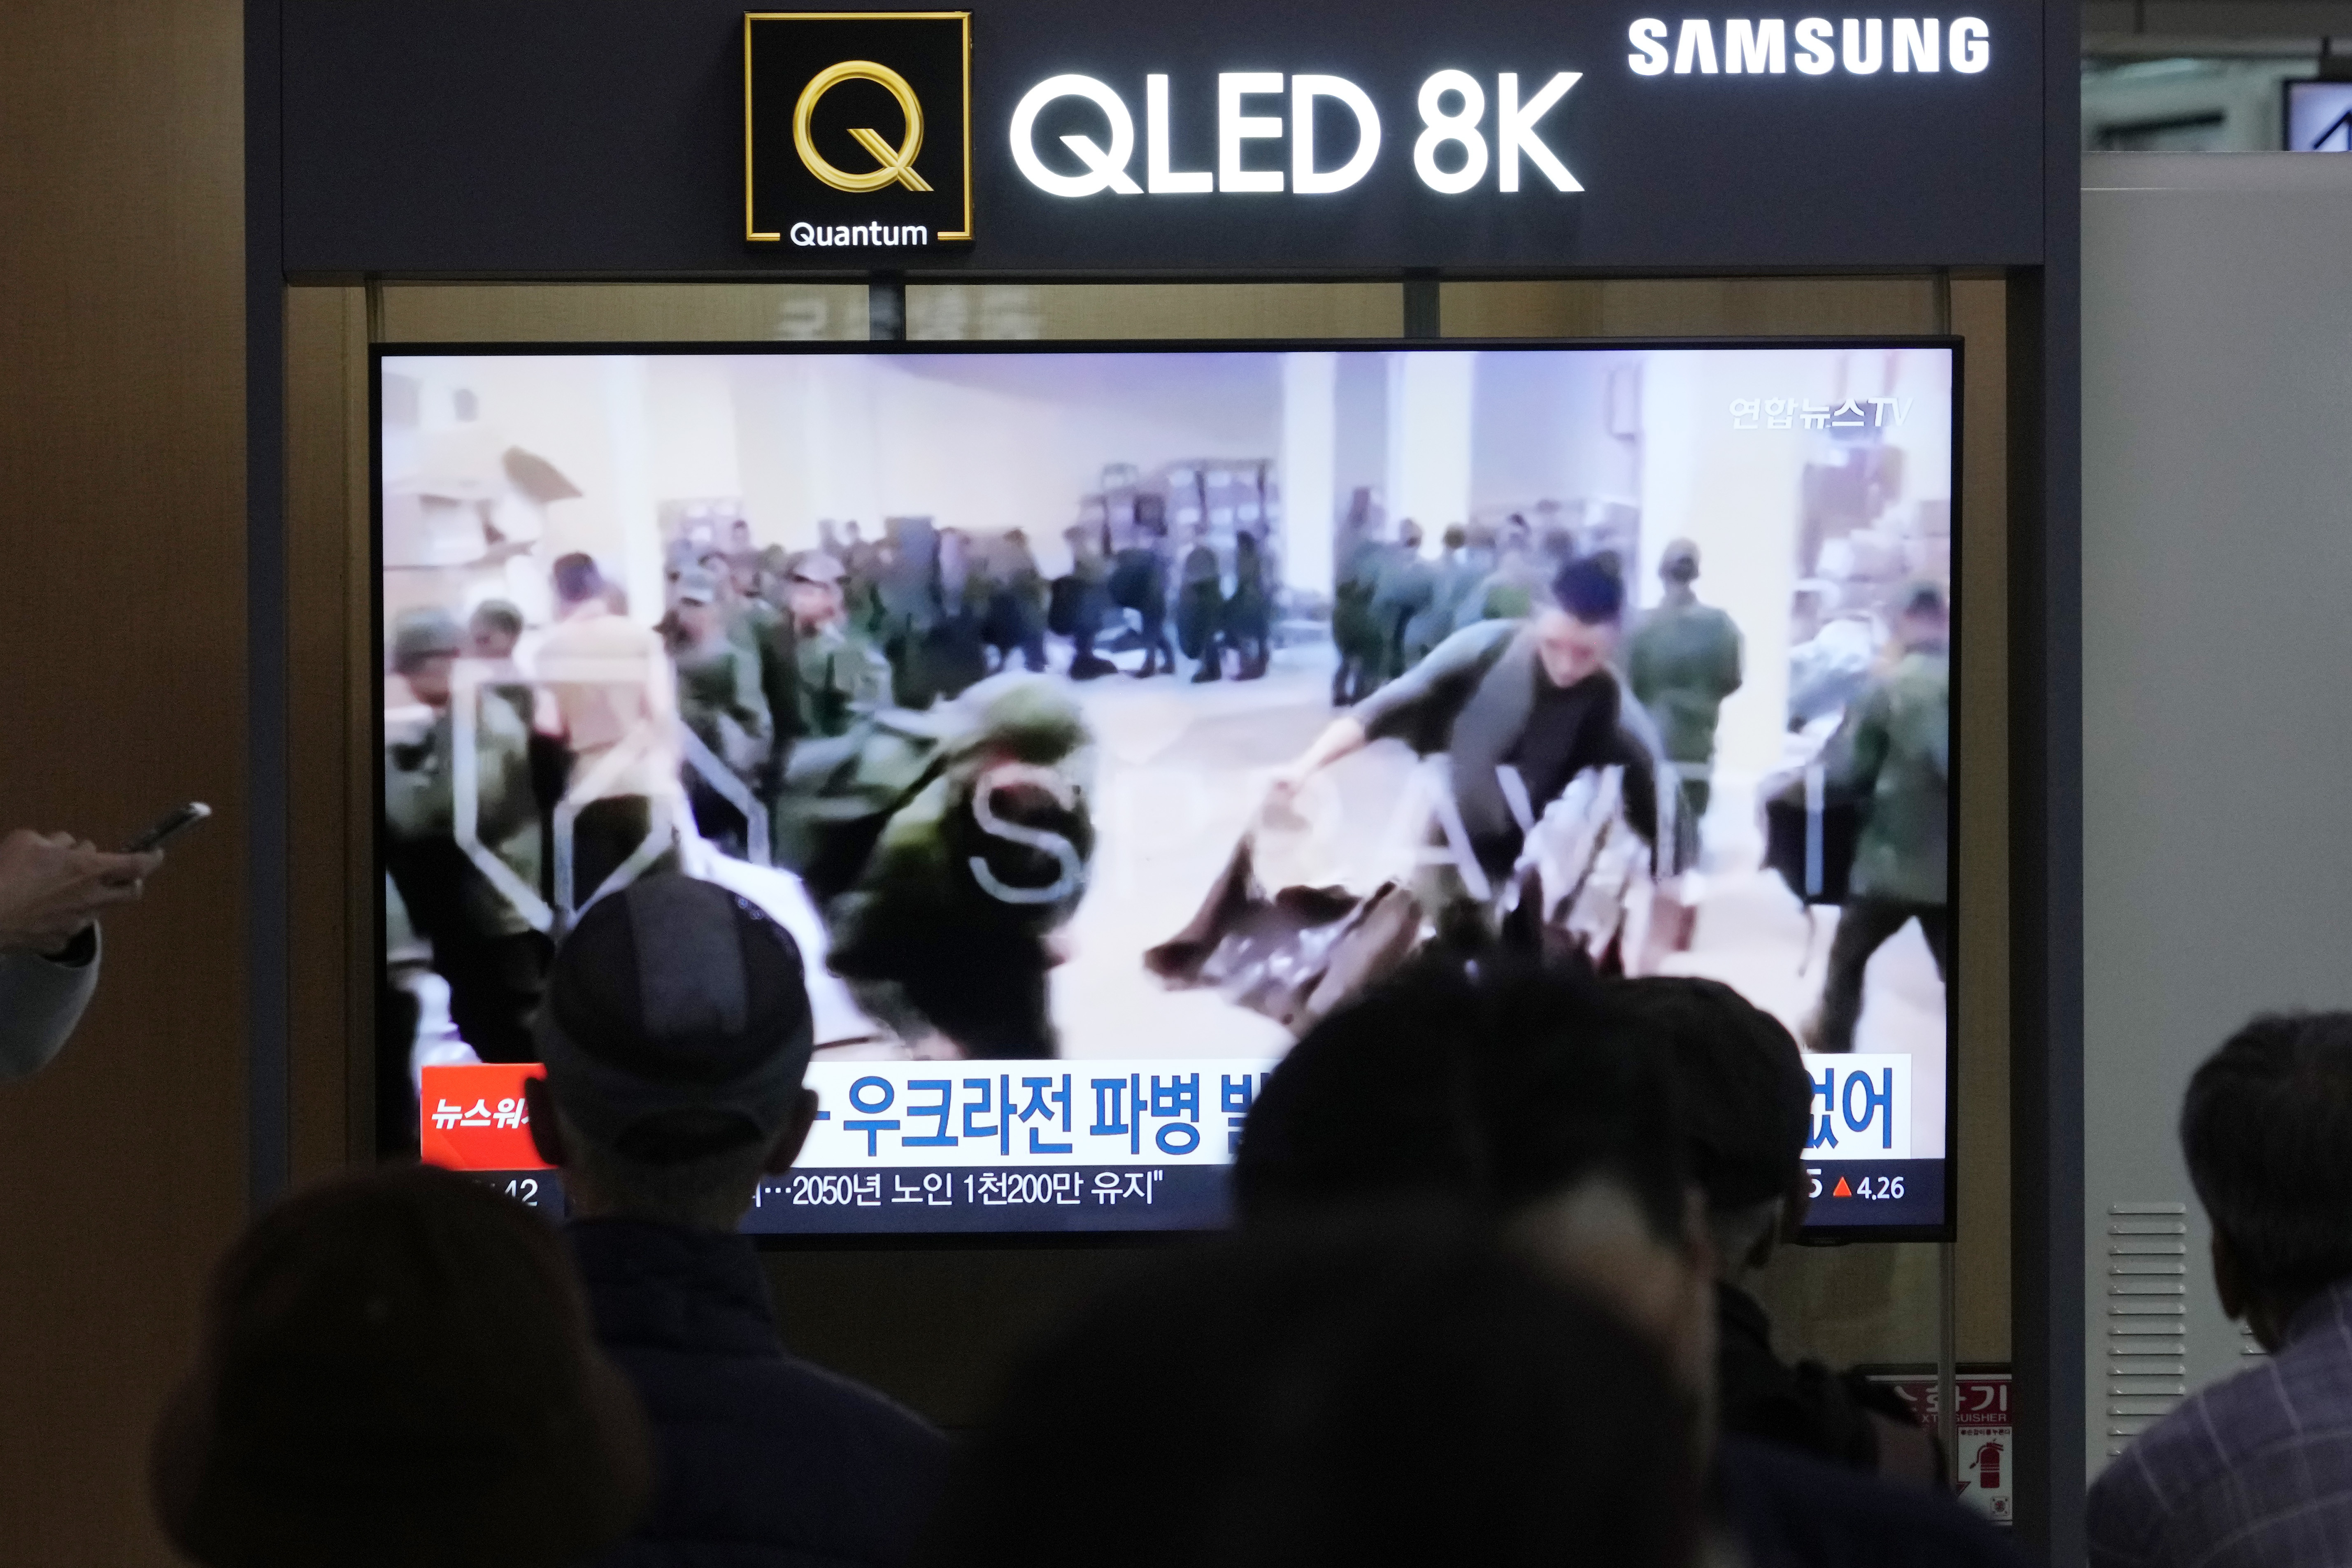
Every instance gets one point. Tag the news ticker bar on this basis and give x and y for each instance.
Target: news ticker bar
(921, 1116)
(1875, 1192)
(990, 1200)
(951, 1200)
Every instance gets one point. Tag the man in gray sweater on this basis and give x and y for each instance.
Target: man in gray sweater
(52, 887)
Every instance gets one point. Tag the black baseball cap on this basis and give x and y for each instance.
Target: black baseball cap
(675, 996)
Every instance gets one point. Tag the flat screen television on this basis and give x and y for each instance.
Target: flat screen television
(2317, 116)
(988, 670)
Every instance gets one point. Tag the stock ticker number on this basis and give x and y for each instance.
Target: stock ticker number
(1870, 1189)
(531, 1191)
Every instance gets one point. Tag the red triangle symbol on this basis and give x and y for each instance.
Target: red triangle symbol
(1841, 1189)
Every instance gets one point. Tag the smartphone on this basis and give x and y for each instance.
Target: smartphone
(176, 820)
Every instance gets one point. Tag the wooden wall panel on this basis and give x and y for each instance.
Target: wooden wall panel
(935, 311)
(1082, 310)
(618, 312)
(122, 638)
(1979, 311)
(1690, 307)
(330, 665)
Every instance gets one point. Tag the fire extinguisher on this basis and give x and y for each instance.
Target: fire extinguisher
(1987, 1467)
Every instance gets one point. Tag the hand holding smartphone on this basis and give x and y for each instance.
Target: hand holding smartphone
(52, 886)
(174, 822)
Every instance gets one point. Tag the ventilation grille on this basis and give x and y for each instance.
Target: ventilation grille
(2147, 1318)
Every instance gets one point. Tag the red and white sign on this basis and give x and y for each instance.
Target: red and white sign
(1982, 1463)
(475, 1118)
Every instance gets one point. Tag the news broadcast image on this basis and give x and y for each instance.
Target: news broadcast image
(1096, 719)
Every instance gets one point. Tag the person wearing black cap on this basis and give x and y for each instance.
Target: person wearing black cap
(676, 1033)
(1747, 1115)
(1519, 708)
(396, 1371)
(1894, 753)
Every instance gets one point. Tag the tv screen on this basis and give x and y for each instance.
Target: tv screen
(2319, 116)
(1097, 717)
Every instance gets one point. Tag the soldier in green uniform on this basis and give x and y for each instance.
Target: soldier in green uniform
(1015, 615)
(720, 702)
(756, 622)
(946, 848)
(1512, 585)
(1682, 661)
(1449, 582)
(906, 608)
(494, 960)
(1249, 614)
(1081, 601)
(1201, 607)
(491, 633)
(1140, 577)
(1405, 586)
(1354, 631)
(1893, 753)
(834, 678)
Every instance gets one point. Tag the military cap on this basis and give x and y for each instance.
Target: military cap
(815, 566)
(420, 634)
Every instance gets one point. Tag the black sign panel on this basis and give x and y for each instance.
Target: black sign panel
(857, 129)
(1521, 137)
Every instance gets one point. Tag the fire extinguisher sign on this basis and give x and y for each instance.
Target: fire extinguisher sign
(1982, 1462)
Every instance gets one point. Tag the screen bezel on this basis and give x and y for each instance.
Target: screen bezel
(1946, 1230)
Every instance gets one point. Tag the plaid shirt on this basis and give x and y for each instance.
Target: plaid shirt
(2254, 1471)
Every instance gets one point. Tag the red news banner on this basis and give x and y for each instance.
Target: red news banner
(475, 1118)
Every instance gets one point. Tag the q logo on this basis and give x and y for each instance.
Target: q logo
(822, 164)
(898, 163)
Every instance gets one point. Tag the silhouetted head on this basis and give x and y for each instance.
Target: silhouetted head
(1390, 1388)
(2267, 1128)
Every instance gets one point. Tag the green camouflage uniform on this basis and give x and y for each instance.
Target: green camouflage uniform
(1199, 605)
(1509, 592)
(1407, 586)
(719, 699)
(836, 679)
(936, 919)
(1893, 753)
(419, 806)
(1355, 633)
(1683, 662)
(494, 960)
(765, 631)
